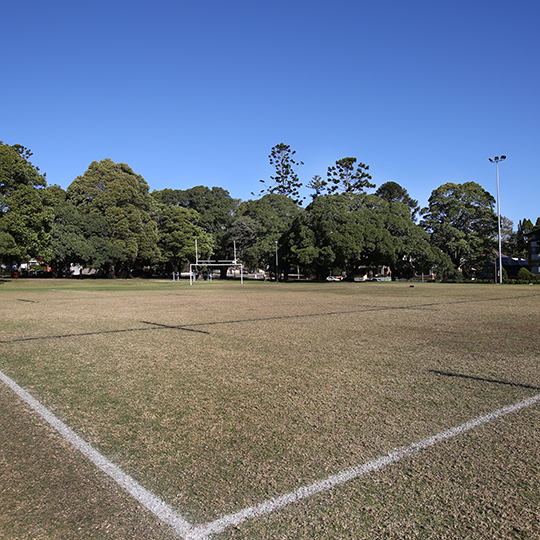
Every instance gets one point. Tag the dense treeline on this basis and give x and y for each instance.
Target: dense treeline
(108, 219)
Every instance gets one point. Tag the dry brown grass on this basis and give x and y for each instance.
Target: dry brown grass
(219, 396)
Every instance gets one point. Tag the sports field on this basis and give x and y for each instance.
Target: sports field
(269, 411)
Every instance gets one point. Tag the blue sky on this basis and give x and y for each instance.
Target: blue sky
(197, 93)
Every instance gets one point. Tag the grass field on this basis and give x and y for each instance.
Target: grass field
(221, 396)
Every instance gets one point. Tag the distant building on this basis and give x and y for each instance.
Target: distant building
(534, 251)
(512, 265)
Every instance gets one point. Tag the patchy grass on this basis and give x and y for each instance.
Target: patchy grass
(219, 396)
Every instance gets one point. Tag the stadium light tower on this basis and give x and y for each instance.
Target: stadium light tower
(496, 160)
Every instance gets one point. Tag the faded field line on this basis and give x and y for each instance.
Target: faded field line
(189, 531)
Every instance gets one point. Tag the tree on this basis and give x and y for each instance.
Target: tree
(393, 192)
(508, 236)
(25, 223)
(67, 242)
(16, 170)
(114, 192)
(286, 181)
(519, 243)
(462, 223)
(24, 217)
(317, 184)
(401, 244)
(261, 223)
(178, 230)
(329, 236)
(342, 232)
(344, 178)
(216, 209)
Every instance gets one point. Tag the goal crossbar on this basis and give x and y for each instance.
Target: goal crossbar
(210, 263)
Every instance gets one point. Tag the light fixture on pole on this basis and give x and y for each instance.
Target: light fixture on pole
(496, 160)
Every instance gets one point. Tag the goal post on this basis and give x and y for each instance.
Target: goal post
(193, 266)
(211, 263)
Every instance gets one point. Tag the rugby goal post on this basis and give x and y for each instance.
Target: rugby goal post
(212, 263)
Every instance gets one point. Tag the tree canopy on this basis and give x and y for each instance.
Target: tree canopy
(286, 181)
(259, 224)
(346, 177)
(114, 192)
(461, 222)
(108, 219)
(24, 217)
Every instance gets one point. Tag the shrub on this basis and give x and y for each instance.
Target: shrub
(524, 275)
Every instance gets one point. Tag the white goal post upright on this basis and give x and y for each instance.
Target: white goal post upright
(209, 262)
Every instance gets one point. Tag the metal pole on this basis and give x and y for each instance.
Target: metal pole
(277, 279)
(496, 160)
(499, 225)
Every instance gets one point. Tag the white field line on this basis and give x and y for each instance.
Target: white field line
(189, 531)
(271, 505)
(160, 509)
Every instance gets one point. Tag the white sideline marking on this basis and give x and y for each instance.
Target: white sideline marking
(271, 505)
(160, 509)
(189, 531)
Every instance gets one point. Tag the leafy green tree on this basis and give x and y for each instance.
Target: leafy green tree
(24, 224)
(344, 231)
(78, 237)
(518, 243)
(8, 245)
(343, 177)
(259, 225)
(462, 223)
(508, 236)
(16, 170)
(24, 216)
(216, 210)
(115, 193)
(286, 181)
(317, 184)
(244, 233)
(333, 234)
(67, 242)
(178, 230)
(393, 192)
(403, 245)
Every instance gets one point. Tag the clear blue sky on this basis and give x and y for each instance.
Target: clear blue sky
(191, 93)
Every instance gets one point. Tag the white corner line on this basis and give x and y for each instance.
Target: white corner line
(189, 531)
(272, 505)
(154, 504)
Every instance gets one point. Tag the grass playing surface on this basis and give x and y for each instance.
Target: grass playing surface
(219, 396)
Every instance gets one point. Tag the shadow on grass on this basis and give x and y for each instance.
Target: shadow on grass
(482, 379)
(155, 326)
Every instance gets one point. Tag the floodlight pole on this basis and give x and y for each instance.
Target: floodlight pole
(496, 160)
